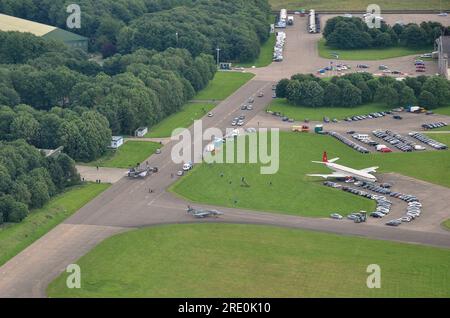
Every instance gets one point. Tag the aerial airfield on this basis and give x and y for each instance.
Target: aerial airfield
(199, 228)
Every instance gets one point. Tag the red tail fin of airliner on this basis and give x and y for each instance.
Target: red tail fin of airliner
(325, 157)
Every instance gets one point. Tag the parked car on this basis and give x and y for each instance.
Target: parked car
(336, 216)
(187, 166)
(394, 223)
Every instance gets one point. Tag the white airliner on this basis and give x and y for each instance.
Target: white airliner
(345, 172)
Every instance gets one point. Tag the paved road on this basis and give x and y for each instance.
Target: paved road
(128, 204)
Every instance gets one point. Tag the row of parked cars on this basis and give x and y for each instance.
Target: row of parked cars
(434, 125)
(420, 66)
(364, 138)
(279, 47)
(348, 142)
(414, 205)
(383, 205)
(427, 140)
(368, 116)
(397, 140)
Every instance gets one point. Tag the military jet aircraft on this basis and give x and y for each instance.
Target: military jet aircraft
(201, 214)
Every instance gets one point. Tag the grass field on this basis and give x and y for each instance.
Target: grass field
(358, 4)
(182, 119)
(446, 128)
(443, 111)
(369, 54)
(292, 192)
(265, 57)
(16, 237)
(224, 260)
(446, 225)
(444, 138)
(223, 85)
(131, 153)
(301, 113)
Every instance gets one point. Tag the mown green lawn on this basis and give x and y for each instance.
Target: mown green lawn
(446, 225)
(358, 4)
(444, 138)
(446, 128)
(16, 237)
(182, 119)
(223, 85)
(301, 113)
(266, 55)
(443, 111)
(225, 260)
(131, 153)
(291, 191)
(369, 54)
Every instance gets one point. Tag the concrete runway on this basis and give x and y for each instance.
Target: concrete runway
(129, 205)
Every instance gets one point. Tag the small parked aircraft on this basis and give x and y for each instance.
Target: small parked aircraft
(345, 172)
(200, 214)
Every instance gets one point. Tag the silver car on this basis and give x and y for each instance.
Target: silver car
(336, 216)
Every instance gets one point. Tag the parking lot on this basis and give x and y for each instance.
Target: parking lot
(410, 122)
(301, 55)
(434, 206)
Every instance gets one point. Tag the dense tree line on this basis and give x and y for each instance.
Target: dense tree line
(101, 19)
(84, 135)
(360, 88)
(131, 90)
(53, 96)
(28, 179)
(353, 33)
(237, 26)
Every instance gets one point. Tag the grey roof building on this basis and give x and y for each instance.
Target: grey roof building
(10, 23)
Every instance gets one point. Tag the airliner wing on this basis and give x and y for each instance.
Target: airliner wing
(369, 170)
(326, 176)
(325, 162)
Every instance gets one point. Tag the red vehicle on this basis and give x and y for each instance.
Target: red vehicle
(386, 150)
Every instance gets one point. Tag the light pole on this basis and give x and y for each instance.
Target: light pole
(218, 57)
